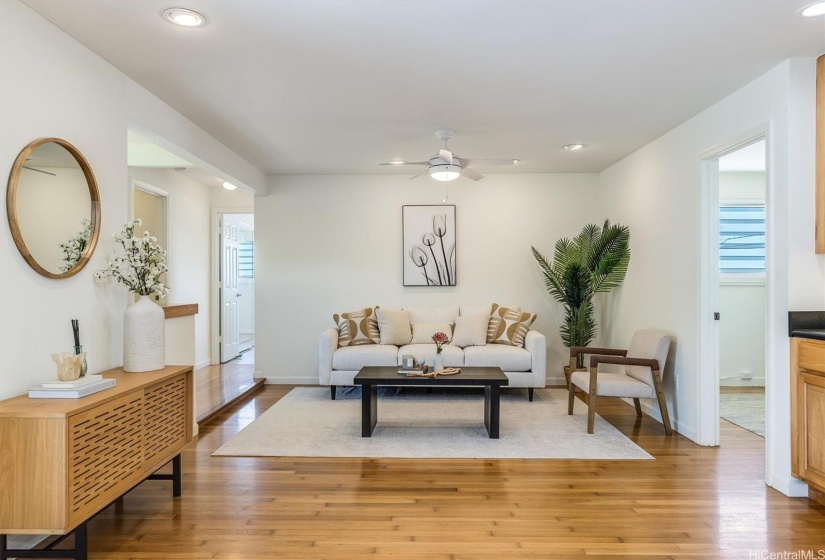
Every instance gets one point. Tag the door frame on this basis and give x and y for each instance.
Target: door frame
(708, 329)
(214, 284)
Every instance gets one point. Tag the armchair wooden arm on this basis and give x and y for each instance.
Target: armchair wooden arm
(595, 360)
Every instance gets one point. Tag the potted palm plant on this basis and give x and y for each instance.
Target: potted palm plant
(595, 261)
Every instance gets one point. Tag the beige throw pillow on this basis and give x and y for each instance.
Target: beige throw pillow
(394, 327)
(422, 333)
(357, 327)
(508, 326)
(470, 330)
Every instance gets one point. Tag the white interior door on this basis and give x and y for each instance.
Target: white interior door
(230, 331)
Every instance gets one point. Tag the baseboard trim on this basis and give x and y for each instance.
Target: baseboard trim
(202, 364)
(680, 427)
(790, 486)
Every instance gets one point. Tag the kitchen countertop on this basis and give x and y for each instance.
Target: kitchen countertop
(806, 324)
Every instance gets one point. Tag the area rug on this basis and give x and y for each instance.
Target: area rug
(414, 423)
(746, 410)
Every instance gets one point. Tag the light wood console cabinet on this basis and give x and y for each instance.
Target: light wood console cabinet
(64, 460)
(808, 411)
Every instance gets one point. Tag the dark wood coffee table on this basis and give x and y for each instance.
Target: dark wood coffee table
(370, 378)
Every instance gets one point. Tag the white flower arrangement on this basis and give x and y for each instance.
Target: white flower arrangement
(141, 265)
(74, 247)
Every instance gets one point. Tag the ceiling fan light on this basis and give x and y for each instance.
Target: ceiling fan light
(445, 172)
(397, 162)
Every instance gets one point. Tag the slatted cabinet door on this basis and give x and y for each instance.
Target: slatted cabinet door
(165, 427)
(106, 454)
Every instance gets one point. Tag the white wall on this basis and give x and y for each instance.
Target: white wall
(188, 246)
(656, 192)
(61, 89)
(328, 244)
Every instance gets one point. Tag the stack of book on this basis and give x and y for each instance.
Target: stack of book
(71, 389)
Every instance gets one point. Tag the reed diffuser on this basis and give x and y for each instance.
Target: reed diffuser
(78, 349)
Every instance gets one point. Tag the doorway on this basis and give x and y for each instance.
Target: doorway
(742, 296)
(735, 295)
(236, 287)
(149, 204)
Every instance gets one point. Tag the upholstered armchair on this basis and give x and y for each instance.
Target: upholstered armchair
(639, 377)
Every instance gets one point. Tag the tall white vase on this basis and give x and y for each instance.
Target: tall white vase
(144, 336)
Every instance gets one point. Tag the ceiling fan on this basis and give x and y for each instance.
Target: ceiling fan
(446, 166)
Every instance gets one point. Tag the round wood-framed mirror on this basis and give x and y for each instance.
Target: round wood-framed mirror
(53, 207)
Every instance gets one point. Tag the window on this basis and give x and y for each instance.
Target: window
(246, 259)
(742, 239)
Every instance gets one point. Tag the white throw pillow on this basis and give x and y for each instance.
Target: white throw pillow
(470, 331)
(394, 326)
(422, 333)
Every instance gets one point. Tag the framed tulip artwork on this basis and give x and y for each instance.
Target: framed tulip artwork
(429, 234)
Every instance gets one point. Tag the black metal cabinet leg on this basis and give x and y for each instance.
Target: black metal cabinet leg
(4, 547)
(369, 409)
(176, 476)
(81, 541)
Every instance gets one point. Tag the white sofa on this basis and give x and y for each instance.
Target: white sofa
(525, 367)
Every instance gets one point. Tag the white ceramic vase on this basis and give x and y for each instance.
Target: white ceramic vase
(438, 362)
(143, 336)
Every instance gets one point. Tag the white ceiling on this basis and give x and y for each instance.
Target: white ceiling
(306, 86)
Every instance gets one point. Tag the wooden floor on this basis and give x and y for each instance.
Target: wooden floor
(222, 384)
(690, 502)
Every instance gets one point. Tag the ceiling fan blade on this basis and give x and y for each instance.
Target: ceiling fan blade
(420, 174)
(446, 155)
(470, 174)
(406, 163)
(475, 162)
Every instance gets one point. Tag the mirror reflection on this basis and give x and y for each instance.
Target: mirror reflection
(53, 207)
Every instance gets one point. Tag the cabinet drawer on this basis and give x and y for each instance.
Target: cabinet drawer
(812, 357)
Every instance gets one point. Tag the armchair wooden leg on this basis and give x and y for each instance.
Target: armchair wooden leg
(660, 395)
(638, 407)
(571, 399)
(591, 402)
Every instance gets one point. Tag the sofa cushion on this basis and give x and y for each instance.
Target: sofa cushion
(422, 333)
(453, 356)
(470, 330)
(394, 326)
(432, 314)
(357, 327)
(508, 326)
(508, 358)
(356, 357)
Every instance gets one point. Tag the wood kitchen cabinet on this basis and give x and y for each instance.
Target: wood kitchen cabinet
(808, 411)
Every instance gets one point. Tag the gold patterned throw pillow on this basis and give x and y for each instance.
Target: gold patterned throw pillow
(508, 326)
(357, 327)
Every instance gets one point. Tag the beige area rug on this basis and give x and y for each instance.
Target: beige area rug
(413, 423)
(746, 410)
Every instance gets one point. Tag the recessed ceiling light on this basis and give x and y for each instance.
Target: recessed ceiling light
(515, 161)
(229, 186)
(184, 17)
(397, 162)
(814, 10)
(573, 147)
